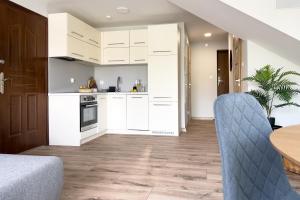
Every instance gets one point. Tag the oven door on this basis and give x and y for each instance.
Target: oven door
(88, 116)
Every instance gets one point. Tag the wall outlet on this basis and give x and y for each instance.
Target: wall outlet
(72, 80)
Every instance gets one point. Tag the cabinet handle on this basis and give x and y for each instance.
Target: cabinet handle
(94, 41)
(162, 51)
(118, 97)
(138, 60)
(77, 54)
(118, 43)
(140, 43)
(94, 59)
(116, 60)
(75, 33)
(162, 104)
(162, 97)
(136, 97)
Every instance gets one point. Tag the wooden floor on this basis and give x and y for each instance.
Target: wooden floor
(120, 167)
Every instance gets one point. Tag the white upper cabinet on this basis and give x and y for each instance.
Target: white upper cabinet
(114, 39)
(163, 39)
(75, 27)
(94, 37)
(115, 56)
(139, 38)
(72, 38)
(138, 55)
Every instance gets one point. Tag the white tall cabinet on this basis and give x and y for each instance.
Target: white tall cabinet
(163, 79)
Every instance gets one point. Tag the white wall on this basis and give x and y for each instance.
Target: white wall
(38, 6)
(257, 57)
(129, 74)
(204, 77)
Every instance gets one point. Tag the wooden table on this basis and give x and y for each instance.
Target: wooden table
(287, 142)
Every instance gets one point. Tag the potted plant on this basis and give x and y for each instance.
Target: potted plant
(274, 84)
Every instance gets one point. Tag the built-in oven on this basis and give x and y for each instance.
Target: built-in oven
(88, 112)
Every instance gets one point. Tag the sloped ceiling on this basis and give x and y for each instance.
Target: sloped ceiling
(244, 26)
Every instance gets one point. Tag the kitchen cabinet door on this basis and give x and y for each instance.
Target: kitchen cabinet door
(77, 49)
(114, 39)
(163, 118)
(139, 38)
(137, 112)
(93, 37)
(163, 78)
(93, 54)
(116, 112)
(77, 28)
(102, 112)
(115, 56)
(138, 55)
(163, 39)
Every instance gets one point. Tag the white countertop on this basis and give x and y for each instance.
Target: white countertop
(96, 93)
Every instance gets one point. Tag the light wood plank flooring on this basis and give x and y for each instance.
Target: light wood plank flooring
(121, 167)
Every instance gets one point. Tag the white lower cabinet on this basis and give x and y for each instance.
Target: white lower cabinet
(137, 112)
(116, 112)
(163, 118)
(102, 113)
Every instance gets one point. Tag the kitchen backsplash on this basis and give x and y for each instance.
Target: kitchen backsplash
(107, 76)
(60, 72)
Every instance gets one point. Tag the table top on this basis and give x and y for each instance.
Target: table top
(287, 142)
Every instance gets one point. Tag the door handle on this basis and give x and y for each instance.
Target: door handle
(2, 62)
(219, 81)
(2, 82)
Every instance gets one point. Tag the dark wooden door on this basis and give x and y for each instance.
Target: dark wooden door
(223, 72)
(23, 106)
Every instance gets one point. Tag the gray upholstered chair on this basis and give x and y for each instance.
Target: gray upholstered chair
(252, 169)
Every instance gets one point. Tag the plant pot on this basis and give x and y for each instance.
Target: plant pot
(272, 121)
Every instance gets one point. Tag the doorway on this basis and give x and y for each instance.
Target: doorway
(23, 79)
(222, 72)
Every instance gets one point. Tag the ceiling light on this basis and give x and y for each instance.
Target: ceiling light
(206, 45)
(207, 34)
(122, 10)
(108, 16)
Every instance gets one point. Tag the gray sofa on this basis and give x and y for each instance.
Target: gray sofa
(30, 177)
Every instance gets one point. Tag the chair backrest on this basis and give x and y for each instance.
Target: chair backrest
(252, 169)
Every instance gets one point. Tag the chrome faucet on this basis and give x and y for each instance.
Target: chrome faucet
(118, 84)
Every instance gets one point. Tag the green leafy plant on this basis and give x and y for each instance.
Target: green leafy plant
(274, 83)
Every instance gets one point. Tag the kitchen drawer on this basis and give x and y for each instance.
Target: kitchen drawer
(137, 112)
(114, 39)
(138, 55)
(115, 56)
